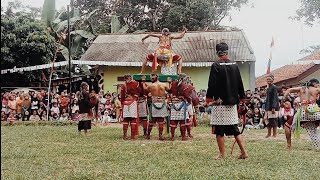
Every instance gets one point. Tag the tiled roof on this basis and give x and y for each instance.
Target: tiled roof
(284, 73)
(312, 57)
(194, 47)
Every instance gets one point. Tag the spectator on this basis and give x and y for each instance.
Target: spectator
(19, 103)
(3, 116)
(55, 108)
(64, 115)
(34, 116)
(44, 116)
(12, 103)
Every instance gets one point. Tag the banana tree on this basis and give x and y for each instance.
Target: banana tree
(81, 32)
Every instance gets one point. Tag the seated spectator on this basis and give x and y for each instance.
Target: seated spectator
(55, 116)
(12, 117)
(12, 103)
(64, 115)
(257, 119)
(76, 116)
(3, 116)
(44, 116)
(34, 116)
(105, 118)
(55, 108)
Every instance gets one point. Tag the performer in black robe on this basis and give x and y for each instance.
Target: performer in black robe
(224, 90)
(84, 108)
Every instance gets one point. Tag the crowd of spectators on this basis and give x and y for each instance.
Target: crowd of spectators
(33, 106)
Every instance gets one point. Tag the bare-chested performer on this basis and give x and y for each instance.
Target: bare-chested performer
(308, 114)
(159, 105)
(164, 53)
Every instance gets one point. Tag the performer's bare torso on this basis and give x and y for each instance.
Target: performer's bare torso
(311, 93)
(157, 89)
(165, 40)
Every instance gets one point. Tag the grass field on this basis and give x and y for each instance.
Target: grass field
(58, 152)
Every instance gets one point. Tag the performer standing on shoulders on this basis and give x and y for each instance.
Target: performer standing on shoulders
(164, 52)
(129, 96)
(159, 104)
(85, 107)
(308, 114)
(224, 89)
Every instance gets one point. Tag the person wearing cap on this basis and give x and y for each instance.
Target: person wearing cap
(272, 107)
(84, 108)
(308, 114)
(128, 95)
(225, 91)
(164, 55)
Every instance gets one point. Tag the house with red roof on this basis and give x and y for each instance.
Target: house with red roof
(296, 74)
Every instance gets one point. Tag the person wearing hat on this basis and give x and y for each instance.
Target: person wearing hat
(225, 91)
(272, 107)
(163, 55)
(84, 108)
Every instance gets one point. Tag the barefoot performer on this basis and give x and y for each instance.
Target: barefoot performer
(308, 114)
(159, 104)
(224, 89)
(164, 53)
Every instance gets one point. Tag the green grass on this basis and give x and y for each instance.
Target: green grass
(58, 152)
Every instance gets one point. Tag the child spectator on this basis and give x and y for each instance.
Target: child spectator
(44, 116)
(64, 115)
(34, 116)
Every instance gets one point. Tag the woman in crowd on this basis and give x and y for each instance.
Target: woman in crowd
(84, 108)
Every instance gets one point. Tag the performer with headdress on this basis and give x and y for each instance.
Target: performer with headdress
(164, 55)
(158, 108)
(178, 106)
(308, 114)
(129, 95)
(224, 89)
(85, 106)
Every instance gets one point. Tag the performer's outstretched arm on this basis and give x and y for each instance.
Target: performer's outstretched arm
(152, 35)
(291, 90)
(181, 35)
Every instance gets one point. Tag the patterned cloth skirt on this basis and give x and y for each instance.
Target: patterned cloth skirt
(84, 121)
(130, 110)
(178, 111)
(143, 109)
(224, 115)
(159, 109)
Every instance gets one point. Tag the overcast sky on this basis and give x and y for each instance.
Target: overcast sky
(266, 19)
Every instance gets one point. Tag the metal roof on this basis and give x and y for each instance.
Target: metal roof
(196, 48)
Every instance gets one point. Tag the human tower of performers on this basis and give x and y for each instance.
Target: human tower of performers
(173, 102)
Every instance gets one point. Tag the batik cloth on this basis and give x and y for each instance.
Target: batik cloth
(143, 111)
(224, 115)
(178, 111)
(159, 109)
(130, 109)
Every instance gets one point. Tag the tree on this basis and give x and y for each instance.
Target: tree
(24, 42)
(153, 15)
(309, 11)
